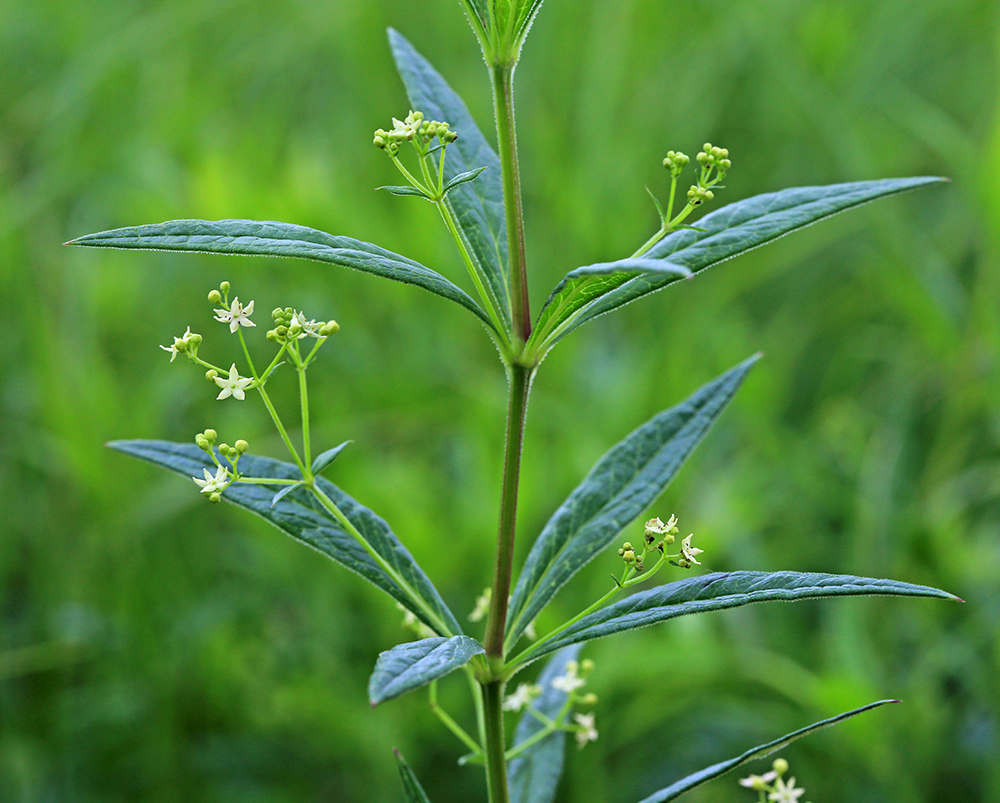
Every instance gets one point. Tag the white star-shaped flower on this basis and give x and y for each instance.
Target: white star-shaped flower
(758, 781)
(216, 484)
(785, 793)
(525, 693)
(234, 385)
(307, 328)
(689, 551)
(179, 344)
(237, 315)
(586, 732)
(569, 682)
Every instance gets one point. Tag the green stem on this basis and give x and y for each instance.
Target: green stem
(282, 432)
(520, 387)
(304, 400)
(535, 738)
(502, 76)
(496, 764)
(450, 723)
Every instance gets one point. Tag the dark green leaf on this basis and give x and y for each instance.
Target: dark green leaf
(477, 206)
(409, 666)
(721, 590)
(461, 178)
(267, 238)
(697, 779)
(741, 227)
(325, 459)
(411, 786)
(284, 492)
(622, 484)
(582, 286)
(302, 517)
(407, 190)
(533, 776)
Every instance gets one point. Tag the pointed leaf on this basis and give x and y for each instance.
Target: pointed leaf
(583, 286)
(412, 789)
(533, 776)
(461, 178)
(721, 590)
(409, 666)
(526, 13)
(301, 516)
(284, 492)
(268, 238)
(622, 484)
(477, 206)
(405, 190)
(325, 459)
(697, 779)
(738, 228)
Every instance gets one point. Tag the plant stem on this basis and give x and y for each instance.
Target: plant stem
(520, 386)
(502, 76)
(496, 764)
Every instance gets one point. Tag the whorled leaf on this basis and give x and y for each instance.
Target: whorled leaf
(476, 205)
(733, 230)
(326, 458)
(622, 484)
(719, 591)
(698, 778)
(533, 776)
(301, 516)
(409, 666)
(269, 238)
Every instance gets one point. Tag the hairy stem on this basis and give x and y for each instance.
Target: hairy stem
(496, 764)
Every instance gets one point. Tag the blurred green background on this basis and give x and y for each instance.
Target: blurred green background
(154, 647)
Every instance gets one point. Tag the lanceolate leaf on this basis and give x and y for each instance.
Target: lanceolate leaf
(326, 458)
(406, 190)
(720, 590)
(533, 776)
(582, 286)
(477, 205)
(301, 516)
(462, 178)
(738, 228)
(622, 484)
(409, 666)
(697, 779)
(268, 238)
(412, 789)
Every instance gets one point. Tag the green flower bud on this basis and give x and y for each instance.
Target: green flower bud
(780, 766)
(225, 449)
(211, 434)
(210, 374)
(215, 296)
(242, 446)
(586, 666)
(272, 335)
(224, 287)
(202, 442)
(215, 497)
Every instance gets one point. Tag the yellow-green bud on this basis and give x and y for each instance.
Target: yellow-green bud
(242, 446)
(215, 497)
(210, 374)
(272, 335)
(211, 434)
(215, 296)
(588, 699)
(224, 287)
(225, 449)
(780, 766)
(202, 442)
(586, 666)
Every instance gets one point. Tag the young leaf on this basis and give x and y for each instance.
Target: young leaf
(582, 286)
(268, 238)
(478, 205)
(698, 778)
(622, 484)
(284, 492)
(325, 459)
(461, 178)
(412, 789)
(533, 776)
(405, 190)
(721, 590)
(409, 666)
(301, 516)
(736, 229)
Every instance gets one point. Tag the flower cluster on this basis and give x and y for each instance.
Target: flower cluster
(771, 786)
(291, 324)
(214, 485)
(657, 536)
(413, 128)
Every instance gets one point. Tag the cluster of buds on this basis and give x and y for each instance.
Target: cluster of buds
(414, 128)
(291, 324)
(773, 785)
(185, 344)
(657, 536)
(711, 157)
(675, 162)
(214, 485)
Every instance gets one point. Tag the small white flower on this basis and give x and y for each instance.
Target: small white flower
(482, 606)
(306, 328)
(758, 782)
(569, 682)
(529, 631)
(216, 484)
(785, 793)
(234, 385)
(586, 732)
(525, 693)
(180, 344)
(689, 551)
(236, 316)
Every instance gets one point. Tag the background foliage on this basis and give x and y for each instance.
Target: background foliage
(155, 648)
